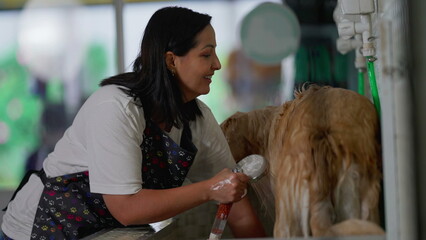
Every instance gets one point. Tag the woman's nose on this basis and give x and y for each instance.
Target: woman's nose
(216, 64)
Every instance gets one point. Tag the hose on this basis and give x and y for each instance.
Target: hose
(373, 84)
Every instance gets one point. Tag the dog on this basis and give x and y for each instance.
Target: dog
(324, 156)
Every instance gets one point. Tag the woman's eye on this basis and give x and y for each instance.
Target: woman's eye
(206, 55)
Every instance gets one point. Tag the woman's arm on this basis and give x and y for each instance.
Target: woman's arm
(243, 220)
(147, 206)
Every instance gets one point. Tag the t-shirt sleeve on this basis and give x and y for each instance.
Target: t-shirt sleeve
(114, 135)
(213, 153)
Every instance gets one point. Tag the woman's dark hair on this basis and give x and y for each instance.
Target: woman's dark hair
(169, 29)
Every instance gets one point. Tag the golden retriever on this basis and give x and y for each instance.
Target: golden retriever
(324, 157)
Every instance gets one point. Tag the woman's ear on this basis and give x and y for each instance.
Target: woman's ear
(170, 61)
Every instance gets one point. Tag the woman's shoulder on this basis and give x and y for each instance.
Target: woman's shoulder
(113, 98)
(111, 92)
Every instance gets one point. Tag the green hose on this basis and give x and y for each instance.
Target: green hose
(361, 82)
(373, 85)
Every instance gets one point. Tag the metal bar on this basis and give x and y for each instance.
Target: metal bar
(397, 131)
(118, 5)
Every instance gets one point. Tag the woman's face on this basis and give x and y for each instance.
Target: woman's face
(195, 70)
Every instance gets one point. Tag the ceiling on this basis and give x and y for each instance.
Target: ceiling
(18, 4)
(307, 11)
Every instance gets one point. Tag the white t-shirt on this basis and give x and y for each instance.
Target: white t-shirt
(105, 139)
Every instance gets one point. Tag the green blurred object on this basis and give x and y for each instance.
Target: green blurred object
(55, 91)
(315, 62)
(302, 65)
(95, 67)
(340, 69)
(20, 113)
(322, 60)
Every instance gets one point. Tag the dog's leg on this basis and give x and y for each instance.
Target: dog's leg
(290, 194)
(322, 217)
(305, 211)
(370, 199)
(347, 195)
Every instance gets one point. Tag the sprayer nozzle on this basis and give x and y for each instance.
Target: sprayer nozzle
(253, 166)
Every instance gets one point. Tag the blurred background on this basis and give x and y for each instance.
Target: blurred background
(54, 53)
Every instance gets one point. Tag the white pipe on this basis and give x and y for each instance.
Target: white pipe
(397, 133)
(359, 58)
(118, 5)
(366, 29)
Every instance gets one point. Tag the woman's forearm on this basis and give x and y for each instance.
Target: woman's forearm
(149, 206)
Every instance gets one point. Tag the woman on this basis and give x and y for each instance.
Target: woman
(138, 137)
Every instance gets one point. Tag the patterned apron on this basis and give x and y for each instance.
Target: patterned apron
(68, 210)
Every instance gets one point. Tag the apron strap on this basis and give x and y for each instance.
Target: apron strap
(23, 182)
(186, 139)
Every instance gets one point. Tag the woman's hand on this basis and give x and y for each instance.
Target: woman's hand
(228, 186)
